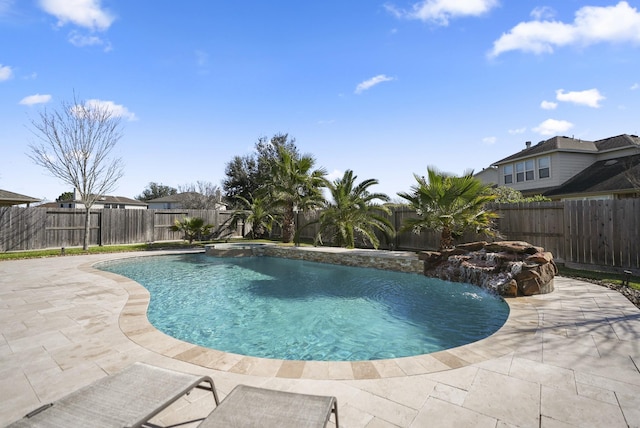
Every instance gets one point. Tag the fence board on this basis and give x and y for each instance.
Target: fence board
(596, 233)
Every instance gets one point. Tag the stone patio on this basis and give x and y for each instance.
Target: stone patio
(569, 358)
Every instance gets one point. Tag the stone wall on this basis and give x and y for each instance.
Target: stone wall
(401, 261)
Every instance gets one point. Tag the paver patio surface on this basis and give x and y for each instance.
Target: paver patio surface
(569, 358)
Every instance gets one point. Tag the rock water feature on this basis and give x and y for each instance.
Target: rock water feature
(508, 268)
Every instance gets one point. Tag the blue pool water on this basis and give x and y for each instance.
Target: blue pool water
(298, 310)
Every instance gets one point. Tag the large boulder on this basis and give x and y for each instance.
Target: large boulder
(508, 268)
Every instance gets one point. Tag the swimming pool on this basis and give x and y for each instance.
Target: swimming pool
(299, 310)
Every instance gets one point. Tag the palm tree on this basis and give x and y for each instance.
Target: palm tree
(449, 204)
(192, 227)
(258, 213)
(294, 185)
(353, 212)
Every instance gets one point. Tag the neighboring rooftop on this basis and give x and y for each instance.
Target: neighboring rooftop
(10, 198)
(570, 144)
(610, 175)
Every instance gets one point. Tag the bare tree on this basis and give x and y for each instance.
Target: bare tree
(74, 143)
(202, 195)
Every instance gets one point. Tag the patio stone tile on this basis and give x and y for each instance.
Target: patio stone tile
(449, 394)
(547, 422)
(257, 366)
(461, 378)
(469, 354)
(498, 365)
(29, 361)
(572, 408)
(616, 386)
(327, 370)
(442, 413)
(412, 392)
(364, 370)
(53, 339)
(377, 423)
(450, 359)
(388, 368)
(626, 327)
(338, 370)
(506, 398)
(619, 368)
(545, 374)
(384, 409)
(66, 380)
(421, 364)
(291, 369)
(176, 347)
(576, 345)
(630, 404)
(595, 393)
(353, 417)
(531, 350)
(68, 357)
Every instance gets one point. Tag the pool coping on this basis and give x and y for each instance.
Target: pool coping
(522, 323)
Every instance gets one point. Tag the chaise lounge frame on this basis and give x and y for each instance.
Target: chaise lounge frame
(129, 398)
(132, 397)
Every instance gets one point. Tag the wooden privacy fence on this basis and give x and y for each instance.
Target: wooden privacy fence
(603, 234)
(38, 228)
(591, 233)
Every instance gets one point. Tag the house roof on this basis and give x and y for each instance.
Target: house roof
(118, 200)
(178, 197)
(568, 144)
(606, 176)
(11, 198)
(617, 142)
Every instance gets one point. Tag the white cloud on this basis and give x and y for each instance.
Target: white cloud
(84, 13)
(82, 40)
(6, 72)
(441, 11)
(489, 140)
(334, 175)
(553, 127)
(517, 131)
(115, 109)
(35, 99)
(542, 12)
(548, 105)
(635, 86)
(368, 84)
(5, 6)
(589, 98)
(592, 24)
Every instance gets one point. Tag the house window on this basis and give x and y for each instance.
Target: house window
(508, 174)
(543, 167)
(525, 171)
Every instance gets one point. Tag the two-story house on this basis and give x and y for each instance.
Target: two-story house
(568, 168)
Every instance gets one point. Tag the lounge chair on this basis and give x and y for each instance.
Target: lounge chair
(126, 399)
(246, 407)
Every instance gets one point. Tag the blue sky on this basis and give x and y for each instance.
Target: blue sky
(383, 88)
